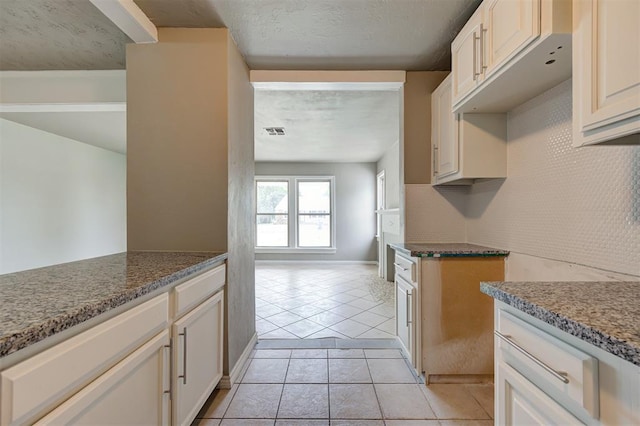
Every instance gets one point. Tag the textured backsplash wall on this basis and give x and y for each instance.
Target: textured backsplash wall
(578, 205)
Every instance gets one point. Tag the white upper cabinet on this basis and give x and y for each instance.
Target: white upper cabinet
(465, 147)
(606, 76)
(510, 26)
(465, 57)
(443, 132)
(510, 51)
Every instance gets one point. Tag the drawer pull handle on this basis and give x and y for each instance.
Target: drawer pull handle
(560, 375)
(399, 266)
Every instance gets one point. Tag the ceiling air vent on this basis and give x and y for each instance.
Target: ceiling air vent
(275, 131)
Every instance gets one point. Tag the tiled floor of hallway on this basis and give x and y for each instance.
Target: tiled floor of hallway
(317, 300)
(342, 387)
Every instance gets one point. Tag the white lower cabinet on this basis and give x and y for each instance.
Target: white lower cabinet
(405, 312)
(197, 340)
(135, 391)
(545, 376)
(143, 366)
(521, 403)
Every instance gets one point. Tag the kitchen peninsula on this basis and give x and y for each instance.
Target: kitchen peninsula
(103, 329)
(567, 352)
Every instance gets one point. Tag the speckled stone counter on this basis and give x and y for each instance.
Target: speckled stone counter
(446, 250)
(38, 303)
(605, 314)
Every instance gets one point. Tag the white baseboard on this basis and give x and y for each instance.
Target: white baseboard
(326, 262)
(227, 381)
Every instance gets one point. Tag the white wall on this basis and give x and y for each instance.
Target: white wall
(355, 196)
(60, 200)
(572, 206)
(578, 205)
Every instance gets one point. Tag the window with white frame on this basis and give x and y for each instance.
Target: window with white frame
(295, 213)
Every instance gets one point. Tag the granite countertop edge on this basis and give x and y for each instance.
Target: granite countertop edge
(598, 338)
(34, 333)
(447, 250)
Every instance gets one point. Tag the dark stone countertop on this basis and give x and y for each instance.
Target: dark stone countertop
(446, 250)
(39, 303)
(604, 314)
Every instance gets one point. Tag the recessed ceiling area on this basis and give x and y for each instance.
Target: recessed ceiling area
(326, 125)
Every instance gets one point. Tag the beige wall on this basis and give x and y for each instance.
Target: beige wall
(190, 159)
(177, 141)
(241, 325)
(417, 124)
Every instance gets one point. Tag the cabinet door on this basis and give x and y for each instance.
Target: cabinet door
(134, 391)
(509, 26)
(404, 315)
(443, 132)
(607, 66)
(521, 403)
(465, 59)
(197, 368)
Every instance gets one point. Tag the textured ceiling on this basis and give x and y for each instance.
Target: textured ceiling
(271, 34)
(331, 126)
(345, 34)
(58, 34)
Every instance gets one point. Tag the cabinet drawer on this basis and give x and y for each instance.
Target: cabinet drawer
(34, 386)
(191, 293)
(567, 374)
(405, 268)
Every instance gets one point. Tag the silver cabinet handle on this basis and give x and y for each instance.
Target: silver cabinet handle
(475, 58)
(170, 367)
(184, 356)
(399, 266)
(409, 321)
(560, 375)
(482, 65)
(435, 155)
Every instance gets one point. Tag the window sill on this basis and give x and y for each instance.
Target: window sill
(289, 250)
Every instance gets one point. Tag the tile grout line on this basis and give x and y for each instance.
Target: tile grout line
(282, 391)
(328, 390)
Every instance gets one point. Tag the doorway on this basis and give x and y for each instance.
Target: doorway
(343, 127)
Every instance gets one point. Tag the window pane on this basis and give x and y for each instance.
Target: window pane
(272, 230)
(314, 197)
(271, 197)
(314, 231)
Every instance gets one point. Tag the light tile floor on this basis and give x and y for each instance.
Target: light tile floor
(309, 301)
(342, 387)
